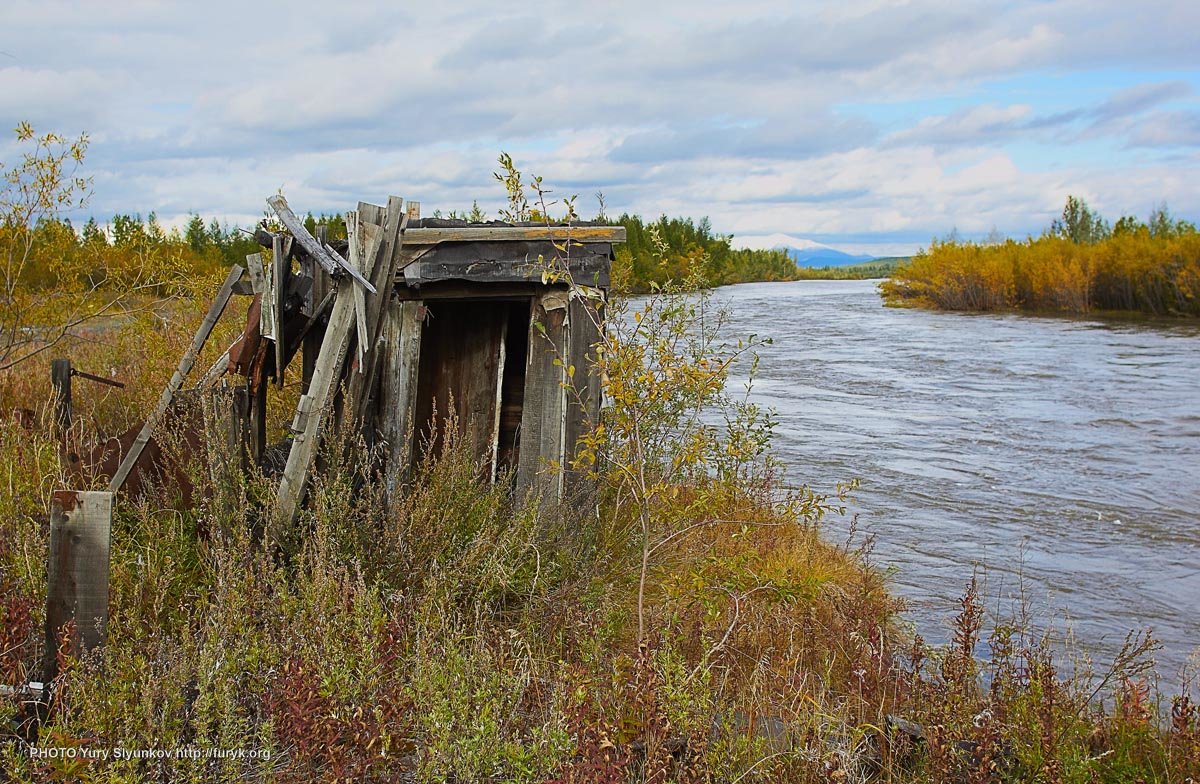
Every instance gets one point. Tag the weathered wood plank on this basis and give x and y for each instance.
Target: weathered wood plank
(505, 262)
(315, 404)
(321, 289)
(398, 396)
(185, 366)
(77, 572)
(60, 377)
(257, 272)
(585, 234)
(280, 271)
(264, 285)
(543, 432)
(584, 317)
(257, 437)
(382, 275)
(498, 398)
(355, 229)
(228, 431)
(330, 261)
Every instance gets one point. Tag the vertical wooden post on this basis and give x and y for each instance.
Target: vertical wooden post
(77, 571)
(311, 345)
(281, 269)
(228, 431)
(542, 453)
(256, 396)
(60, 376)
(398, 390)
(584, 317)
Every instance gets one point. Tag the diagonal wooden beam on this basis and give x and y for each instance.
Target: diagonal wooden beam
(329, 261)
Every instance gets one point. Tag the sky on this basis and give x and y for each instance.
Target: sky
(870, 126)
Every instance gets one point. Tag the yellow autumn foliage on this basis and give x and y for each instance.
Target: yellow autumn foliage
(1126, 271)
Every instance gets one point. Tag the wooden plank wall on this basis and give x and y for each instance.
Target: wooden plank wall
(460, 366)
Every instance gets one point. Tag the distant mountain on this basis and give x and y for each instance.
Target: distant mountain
(824, 257)
(806, 253)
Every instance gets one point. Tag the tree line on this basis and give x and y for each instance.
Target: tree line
(1081, 263)
(668, 248)
(678, 248)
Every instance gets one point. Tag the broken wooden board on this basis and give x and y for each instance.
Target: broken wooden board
(280, 271)
(383, 273)
(326, 257)
(185, 366)
(322, 389)
(77, 572)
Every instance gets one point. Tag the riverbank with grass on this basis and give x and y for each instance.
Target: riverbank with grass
(700, 626)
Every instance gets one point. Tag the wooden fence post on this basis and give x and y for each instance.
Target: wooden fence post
(60, 376)
(77, 572)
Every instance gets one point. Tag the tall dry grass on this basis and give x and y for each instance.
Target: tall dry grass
(464, 635)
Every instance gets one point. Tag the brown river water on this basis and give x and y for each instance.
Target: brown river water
(1058, 456)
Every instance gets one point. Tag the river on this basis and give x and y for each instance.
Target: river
(1059, 456)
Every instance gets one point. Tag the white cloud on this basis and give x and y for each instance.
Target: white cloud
(764, 115)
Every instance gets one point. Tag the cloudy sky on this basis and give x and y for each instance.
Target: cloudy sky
(871, 126)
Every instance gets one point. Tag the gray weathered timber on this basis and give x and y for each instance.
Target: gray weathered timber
(383, 272)
(398, 392)
(258, 277)
(498, 401)
(280, 270)
(60, 377)
(584, 317)
(227, 431)
(314, 405)
(543, 431)
(583, 234)
(185, 366)
(322, 288)
(329, 260)
(77, 572)
(256, 444)
(506, 262)
(356, 242)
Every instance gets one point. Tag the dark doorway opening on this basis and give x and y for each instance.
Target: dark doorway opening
(472, 373)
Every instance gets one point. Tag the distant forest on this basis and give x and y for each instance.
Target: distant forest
(656, 251)
(675, 248)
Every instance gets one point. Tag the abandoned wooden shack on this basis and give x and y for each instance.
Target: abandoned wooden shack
(410, 327)
(485, 328)
(406, 329)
